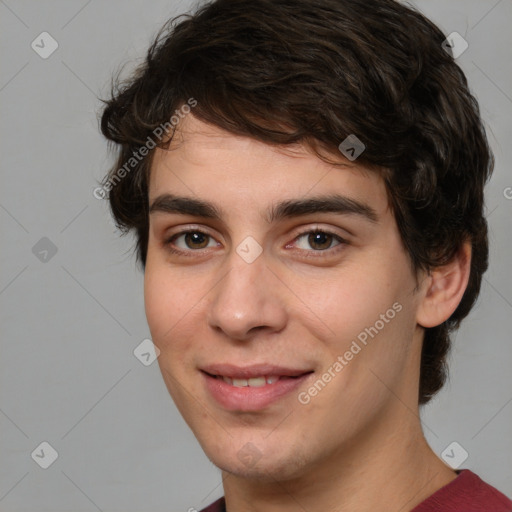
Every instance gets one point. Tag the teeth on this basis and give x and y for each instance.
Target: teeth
(255, 382)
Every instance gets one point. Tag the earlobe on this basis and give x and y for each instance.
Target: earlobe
(444, 289)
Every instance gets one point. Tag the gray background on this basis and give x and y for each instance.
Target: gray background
(70, 324)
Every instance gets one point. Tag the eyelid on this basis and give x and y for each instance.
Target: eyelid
(189, 228)
(315, 228)
(168, 241)
(184, 231)
(311, 253)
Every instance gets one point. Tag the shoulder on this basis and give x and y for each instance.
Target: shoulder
(217, 506)
(466, 493)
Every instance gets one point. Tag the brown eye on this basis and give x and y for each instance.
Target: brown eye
(196, 240)
(320, 240)
(188, 241)
(317, 241)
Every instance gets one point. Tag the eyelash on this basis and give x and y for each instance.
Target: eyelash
(168, 243)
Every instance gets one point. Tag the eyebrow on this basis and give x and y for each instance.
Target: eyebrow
(333, 203)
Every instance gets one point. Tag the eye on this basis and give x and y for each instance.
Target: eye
(191, 240)
(317, 240)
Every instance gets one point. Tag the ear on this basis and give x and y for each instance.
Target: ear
(443, 289)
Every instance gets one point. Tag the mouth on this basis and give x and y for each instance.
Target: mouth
(254, 382)
(251, 388)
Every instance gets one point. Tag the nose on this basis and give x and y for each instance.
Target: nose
(247, 301)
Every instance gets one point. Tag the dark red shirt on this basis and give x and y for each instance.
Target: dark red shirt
(466, 493)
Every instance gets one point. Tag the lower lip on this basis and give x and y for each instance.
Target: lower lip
(249, 398)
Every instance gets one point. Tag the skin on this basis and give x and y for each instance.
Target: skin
(358, 444)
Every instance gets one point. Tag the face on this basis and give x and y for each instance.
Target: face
(280, 297)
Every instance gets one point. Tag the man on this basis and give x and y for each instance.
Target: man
(305, 179)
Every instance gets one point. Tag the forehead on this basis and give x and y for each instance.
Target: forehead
(206, 161)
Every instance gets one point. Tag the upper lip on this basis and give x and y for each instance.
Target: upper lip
(256, 370)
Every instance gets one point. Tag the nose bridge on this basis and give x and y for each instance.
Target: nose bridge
(244, 298)
(243, 277)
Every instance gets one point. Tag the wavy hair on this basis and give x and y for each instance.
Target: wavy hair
(314, 72)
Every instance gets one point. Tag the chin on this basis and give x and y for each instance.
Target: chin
(263, 464)
(270, 472)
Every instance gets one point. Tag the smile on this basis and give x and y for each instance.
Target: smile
(251, 388)
(254, 382)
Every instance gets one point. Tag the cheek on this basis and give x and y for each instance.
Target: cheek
(158, 303)
(174, 304)
(165, 301)
(364, 308)
(346, 301)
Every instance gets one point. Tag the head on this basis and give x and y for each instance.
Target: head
(241, 108)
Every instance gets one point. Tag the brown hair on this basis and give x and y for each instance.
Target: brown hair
(316, 71)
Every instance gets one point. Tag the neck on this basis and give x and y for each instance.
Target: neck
(388, 468)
